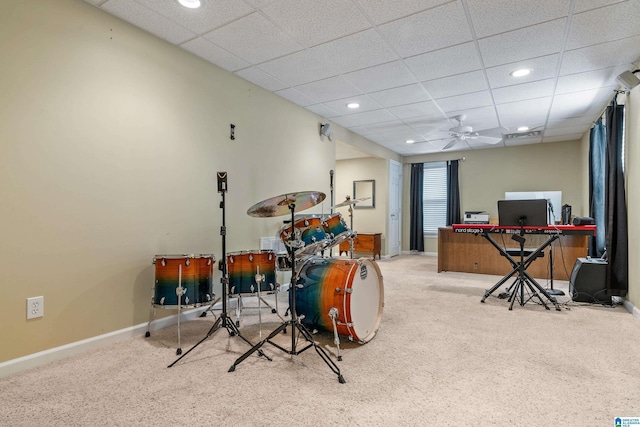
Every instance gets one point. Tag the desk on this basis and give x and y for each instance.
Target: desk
(364, 242)
(464, 252)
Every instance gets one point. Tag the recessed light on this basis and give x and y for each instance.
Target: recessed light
(523, 128)
(521, 72)
(353, 105)
(410, 141)
(191, 4)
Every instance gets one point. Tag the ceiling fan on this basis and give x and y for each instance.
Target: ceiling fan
(462, 133)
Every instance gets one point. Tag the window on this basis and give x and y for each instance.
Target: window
(434, 197)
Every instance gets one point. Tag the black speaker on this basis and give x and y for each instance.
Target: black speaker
(583, 220)
(588, 282)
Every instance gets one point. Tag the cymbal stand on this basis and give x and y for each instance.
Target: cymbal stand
(294, 322)
(224, 321)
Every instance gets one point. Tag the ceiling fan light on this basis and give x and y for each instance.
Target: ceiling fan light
(521, 72)
(191, 4)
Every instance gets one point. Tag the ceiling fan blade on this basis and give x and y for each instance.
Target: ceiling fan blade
(488, 140)
(493, 132)
(450, 144)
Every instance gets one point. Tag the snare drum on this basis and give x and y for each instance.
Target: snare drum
(192, 272)
(337, 229)
(353, 287)
(310, 231)
(243, 267)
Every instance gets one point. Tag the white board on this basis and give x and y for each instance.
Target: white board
(554, 215)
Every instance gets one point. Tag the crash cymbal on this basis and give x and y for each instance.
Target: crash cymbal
(279, 205)
(350, 202)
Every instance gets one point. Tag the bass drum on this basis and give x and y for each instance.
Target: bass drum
(353, 287)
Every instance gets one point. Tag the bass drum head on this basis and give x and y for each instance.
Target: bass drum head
(365, 302)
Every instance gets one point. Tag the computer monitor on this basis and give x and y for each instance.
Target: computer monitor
(522, 212)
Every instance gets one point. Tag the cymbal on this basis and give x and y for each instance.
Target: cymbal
(350, 202)
(279, 205)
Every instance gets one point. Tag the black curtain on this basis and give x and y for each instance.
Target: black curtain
(616, 205)
(453, 193)
(597, 166)
(416, 220)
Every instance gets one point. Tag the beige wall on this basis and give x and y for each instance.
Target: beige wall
(364, 220)
(485, 175)
(633, 198)
(111, 139)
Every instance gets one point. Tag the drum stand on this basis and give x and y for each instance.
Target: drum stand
(224, 321)
(294, 322)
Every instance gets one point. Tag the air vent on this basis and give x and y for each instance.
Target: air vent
(518, 135)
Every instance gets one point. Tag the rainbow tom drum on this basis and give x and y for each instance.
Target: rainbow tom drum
(192, 272)
(336, 229)
(353, 287)
(245, 265)
(310, 236)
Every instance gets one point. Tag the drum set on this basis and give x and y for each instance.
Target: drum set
(343, 296)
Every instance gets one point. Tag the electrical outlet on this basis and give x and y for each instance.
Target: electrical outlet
(35, 307)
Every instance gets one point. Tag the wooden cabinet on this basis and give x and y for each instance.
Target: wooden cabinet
(364, 242)
(469, 253)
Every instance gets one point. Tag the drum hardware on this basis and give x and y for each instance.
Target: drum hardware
(333, 314)
(349, 202)
(224, 321)
(276, 206)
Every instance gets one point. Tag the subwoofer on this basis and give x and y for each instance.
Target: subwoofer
(588, 282)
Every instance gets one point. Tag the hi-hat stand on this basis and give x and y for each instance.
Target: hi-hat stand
(295, 321)
(224, 321)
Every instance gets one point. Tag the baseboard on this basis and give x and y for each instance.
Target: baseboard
(635, 312)
(43, 357)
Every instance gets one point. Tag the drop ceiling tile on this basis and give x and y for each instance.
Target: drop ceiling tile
(456, 85)
(571, 122)
(541, 68)
(254, 39)
(582, 103)
(345, 121)
(433, 29)
(329, 89)
(563, 138)
(583, 5)
(149, 20)
(620, 52)
(296, 97)
(537, 40)
(445, 62)
(523, 91)
(620, 21)
(381, 77)
(212, 14)
(262, 79)
(212, 53)
(259, 3)
(514, 114)
(381, 11)
(312, 22)
(366, 104)
(565, 131)
(371, 117)
(418, 109)
(297, 68)
(322, 110)
(355, 52)
(428, 123)
(463, 102)
(95, 2)
(401, 95)
(589, 80)
(390, 126)
(499, 16)
(522, 141)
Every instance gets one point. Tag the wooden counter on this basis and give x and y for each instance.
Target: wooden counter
(469, 253)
